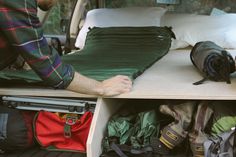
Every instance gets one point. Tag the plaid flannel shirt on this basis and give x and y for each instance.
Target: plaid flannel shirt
(21, 34)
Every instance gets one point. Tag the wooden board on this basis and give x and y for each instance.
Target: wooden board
(41, 92)
(105, 108)
(173, 77)
(169, 78)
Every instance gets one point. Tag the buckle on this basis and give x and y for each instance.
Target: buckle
(71, 119)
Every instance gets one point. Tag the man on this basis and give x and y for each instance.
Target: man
(21, 34)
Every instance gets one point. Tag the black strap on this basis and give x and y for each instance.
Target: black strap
(234, 144)
(201, 81)
(213, 148)
(144, 150)
(56, 44)
(117, 150)
(226, 67)
(3, 126)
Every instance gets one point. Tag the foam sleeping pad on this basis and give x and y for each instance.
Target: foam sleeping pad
(108, 52)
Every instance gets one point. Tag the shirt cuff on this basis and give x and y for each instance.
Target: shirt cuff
(68, 77)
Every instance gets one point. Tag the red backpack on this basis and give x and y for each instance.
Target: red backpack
(68, 132)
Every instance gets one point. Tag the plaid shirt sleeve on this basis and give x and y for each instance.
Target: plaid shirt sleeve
(22, 28)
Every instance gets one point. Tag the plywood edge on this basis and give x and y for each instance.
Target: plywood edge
(104, 109)
(42, 92)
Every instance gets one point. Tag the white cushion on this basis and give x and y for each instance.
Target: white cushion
(192, 28)
(131, 16)
(178, 44)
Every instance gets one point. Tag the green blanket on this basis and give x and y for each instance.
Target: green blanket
(109, 52)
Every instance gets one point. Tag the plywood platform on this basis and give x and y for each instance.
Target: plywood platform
(173, 77)
(169, 78)
(42, 92)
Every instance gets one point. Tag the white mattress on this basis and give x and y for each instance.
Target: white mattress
(172, 77)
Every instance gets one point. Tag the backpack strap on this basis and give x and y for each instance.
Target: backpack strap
(117, 150)
(214, 148)
(234, 144)
(201, 81)
(226, 68)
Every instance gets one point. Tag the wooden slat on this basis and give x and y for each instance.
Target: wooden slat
(42, 92)
(105, 108)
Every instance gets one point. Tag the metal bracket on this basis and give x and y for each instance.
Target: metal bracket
(49, 104)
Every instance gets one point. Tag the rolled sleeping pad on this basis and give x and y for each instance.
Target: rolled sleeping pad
(213, 61)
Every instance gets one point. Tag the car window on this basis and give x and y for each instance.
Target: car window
(128, 3)
(193, 6)
(58, 19)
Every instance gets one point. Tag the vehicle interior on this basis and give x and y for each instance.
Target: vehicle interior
(161, 70)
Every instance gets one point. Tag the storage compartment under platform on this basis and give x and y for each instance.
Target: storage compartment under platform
(108, 107)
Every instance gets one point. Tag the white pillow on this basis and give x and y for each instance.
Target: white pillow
(178, 44)
(192, 28)
(130, 16)
(176, 20)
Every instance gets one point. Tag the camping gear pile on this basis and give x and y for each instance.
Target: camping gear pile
(204, 128)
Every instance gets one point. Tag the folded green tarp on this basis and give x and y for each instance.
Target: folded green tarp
(109, 52)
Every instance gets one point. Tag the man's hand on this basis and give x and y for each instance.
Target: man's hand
(116, 85)
(110, 87)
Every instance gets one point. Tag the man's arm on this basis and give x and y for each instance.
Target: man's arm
(20, 24)
(22, 28)
(110, 87)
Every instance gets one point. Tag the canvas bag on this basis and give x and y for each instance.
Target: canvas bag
(222, 146)
(197, 136)
(68, 133)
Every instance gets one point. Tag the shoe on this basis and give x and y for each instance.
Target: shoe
(172, 135)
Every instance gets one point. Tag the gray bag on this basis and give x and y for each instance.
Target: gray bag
(222, 146)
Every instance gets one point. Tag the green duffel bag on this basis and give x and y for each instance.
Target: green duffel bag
(130, 135)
